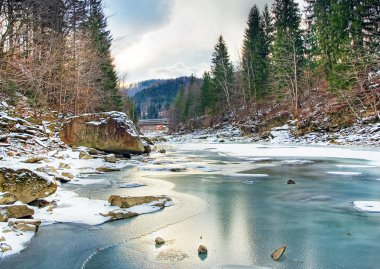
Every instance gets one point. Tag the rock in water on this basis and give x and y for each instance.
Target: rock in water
(291, 181)
(108, 131)
(110, 158)
(127, 201)
(202, 249)
(276, 255)
(159, 241)
(26, 185)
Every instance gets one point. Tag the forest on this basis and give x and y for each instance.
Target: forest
(57, 54)
(290, 58)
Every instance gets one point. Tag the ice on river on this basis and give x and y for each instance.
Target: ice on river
(368, 206)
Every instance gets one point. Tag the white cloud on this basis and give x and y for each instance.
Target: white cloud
(179, 39)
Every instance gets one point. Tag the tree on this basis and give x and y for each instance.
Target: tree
(101, 37)
(255, 53)
(206, 96)
(287, 50)
(222, 73)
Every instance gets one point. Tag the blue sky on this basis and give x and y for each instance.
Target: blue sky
(171, 38)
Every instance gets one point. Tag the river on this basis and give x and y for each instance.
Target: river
(238, 205)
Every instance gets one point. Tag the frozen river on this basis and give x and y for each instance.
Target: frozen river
(235, 200)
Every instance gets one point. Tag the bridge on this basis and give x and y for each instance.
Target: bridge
(153, 125)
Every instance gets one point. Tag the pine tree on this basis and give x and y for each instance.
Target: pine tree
(97, 24)
(287, 50)
(267, 28)
(222, 73)
(255, 53)
(207, 98)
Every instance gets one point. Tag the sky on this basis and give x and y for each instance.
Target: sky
(172, 38)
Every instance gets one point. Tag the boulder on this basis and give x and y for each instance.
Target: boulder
(35, 159)
(128, 201)
(15, 211)
(276, 255)
(47, 169)
(108, 169)
(202, 249)
(67, 175)
(92, 151)
(162, 151)
(147, 148)
(64, 166)
(291, 181)
(108, 131)
(7, 198)
(85, 156)
(26, 185)
(25, 227)
(159, 241)
(110, 158)
(119, 214)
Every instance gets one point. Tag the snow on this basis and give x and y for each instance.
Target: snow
(15, 239)
(368, 206)
(344, 173)
(131, 185)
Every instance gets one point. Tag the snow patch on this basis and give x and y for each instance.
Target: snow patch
(368, 206)
(344, 173)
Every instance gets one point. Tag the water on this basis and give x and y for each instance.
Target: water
(228, 204)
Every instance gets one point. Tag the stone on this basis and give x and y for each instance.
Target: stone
(147, 148)
(7, 198)
(64, 166)
(118, 214)
(202, 249)
(47, 169)
(128, 201)
(62, 179)
(2, 239)
(5, 248)
(147, 140)
(107, 169)
(159, 241)
(35, 159)
(108, 131)
(176, 170)
(110, 158)
(162, 151)
(67, 175)
(291, 181)
(26, 185)
(41, 203)
(92, 151)
(85, 156)
(25, 227)
(276, 255)
(15, 211)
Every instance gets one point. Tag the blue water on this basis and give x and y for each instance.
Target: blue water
(241, 219)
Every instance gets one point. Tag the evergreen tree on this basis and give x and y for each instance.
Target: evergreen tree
(207, 98)
(222, 73)
(287, 50)
(255, 53)
(268, 29)
(101, 37)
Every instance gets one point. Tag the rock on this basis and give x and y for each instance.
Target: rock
(24, 227)
(119, 214)
(128, 201)
(34, 222)
(92, 151)
(41, 203)
(85, 156)
(7, 198)
(26, 185)
(67, 175)
(276, 255)
(147, 140)
(110, 158)
(14, 211)
(5, 248)
(108, 169)
(63, 179)
(159, 241)
(179, 169)
(147, 148)
(4, 138)
(162, 151)
(2, 239)
(64, 166)
(291, 181)
(108, 131)
(35, 159)
(202, 249)
(47, 169)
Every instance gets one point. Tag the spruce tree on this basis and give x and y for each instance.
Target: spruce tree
(255, 52)
(287, 50)
(101, 38)
(222, 73)
(207, 98)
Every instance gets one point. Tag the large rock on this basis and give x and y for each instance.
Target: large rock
(108, 131)
(26, 185)
(127, 201)
(119, 214)
(14, 211)
(7, 198)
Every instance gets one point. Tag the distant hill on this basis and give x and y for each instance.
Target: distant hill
(153, 98)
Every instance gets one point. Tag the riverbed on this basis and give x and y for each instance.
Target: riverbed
(235, 200)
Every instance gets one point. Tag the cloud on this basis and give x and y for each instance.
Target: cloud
(176, 37)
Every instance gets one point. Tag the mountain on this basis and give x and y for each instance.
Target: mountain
(153, 98)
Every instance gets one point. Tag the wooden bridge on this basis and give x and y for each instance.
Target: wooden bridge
(153, 125)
